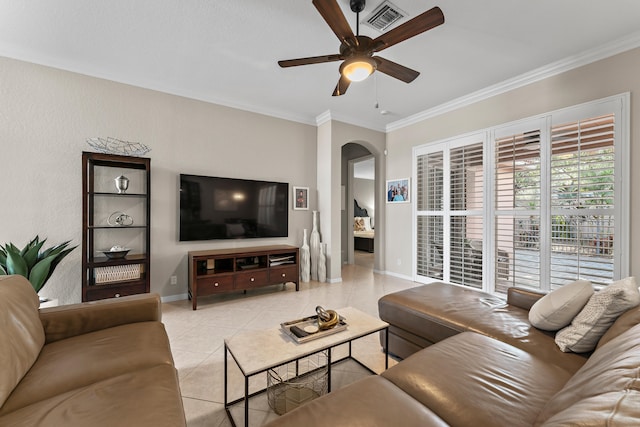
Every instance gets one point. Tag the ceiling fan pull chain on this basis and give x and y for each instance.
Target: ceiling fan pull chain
(375, 83)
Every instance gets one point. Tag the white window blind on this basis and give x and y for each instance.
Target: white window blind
(449, 200)
(582, 200)
(536, 203)
(429, 199)
(466, 202)
(517, 208)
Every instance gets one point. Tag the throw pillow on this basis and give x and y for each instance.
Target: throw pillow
(557, 309)
(358, 224)
(366, 221)
(600, 312)
(626, 321)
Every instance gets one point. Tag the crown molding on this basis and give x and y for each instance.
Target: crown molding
(572, 62)
(328, 116)
(323, 118)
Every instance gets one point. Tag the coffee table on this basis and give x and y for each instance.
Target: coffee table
(256, 352)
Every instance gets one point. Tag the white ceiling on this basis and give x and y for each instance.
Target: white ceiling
(225, 51)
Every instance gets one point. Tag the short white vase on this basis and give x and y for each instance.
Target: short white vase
(305, 259)
(314, 247)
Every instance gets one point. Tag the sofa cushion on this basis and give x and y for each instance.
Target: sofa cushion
(21, 332)
(557, 309)
(626, 321)
(142, 398)
(600, 312)
(99, 355)
(370, 402)
(438, 310)
(471, 379)
(605, 391)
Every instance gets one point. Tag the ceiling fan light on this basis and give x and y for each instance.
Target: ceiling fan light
(358, 69)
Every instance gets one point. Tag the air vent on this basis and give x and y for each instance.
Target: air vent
(384, 16)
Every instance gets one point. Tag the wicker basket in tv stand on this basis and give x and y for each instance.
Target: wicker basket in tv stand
(230, 270)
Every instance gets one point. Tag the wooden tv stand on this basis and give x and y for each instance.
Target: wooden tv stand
(228, 270)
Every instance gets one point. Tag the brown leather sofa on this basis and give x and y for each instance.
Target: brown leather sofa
(473, 359)
(105, 363)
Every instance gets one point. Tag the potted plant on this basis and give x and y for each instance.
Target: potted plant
(32, 262)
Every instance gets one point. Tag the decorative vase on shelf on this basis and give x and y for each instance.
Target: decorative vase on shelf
(314, 247)
(122, 183)
(322, 263)
(305, 259)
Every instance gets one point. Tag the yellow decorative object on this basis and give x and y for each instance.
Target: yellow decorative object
(327, 319)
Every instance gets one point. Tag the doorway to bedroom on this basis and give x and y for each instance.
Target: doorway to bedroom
(363, 195)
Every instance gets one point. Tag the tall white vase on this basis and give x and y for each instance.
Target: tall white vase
(322, 263)
(305, 259)
(314, 247)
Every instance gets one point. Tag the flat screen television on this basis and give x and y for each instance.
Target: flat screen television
(229, 208)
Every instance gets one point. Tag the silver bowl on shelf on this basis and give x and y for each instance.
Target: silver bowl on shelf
(117, 253)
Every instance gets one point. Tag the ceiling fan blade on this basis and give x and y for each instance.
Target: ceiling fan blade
(342, 86)
(421, 23)
(398, 71)
(334, 17)
(310, 60)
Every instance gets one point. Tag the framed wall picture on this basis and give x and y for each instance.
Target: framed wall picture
(300, 198)
(398, 190)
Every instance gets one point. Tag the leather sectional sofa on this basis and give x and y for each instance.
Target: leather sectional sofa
(473, 359)
(104, 363)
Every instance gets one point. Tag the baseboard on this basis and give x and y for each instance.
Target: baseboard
(399, 276)
(172, 298)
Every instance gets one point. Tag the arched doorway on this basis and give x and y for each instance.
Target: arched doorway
(359, 183)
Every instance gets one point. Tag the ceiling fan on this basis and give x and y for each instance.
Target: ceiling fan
(357, 51)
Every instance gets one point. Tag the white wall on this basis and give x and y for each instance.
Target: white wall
(611, 76)
(332, 135)
(374, 142)
(46, 115)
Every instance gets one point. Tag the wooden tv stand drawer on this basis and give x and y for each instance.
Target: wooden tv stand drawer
(214, 285)
(240, 269)
(283, 274)
(252, 279)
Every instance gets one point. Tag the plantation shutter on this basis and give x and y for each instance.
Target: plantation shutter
(536, 203)
(429, 200)
(449, 205)
(582, 201)
(517, 210)
(466, 209)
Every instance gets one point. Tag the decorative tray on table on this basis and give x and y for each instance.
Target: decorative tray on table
(306, 329)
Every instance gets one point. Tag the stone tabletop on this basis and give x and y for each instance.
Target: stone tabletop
(256, 351)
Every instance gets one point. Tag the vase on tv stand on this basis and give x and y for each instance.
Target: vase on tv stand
(305, 267)
(314, 247)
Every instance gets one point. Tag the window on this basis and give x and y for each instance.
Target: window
(466, 186)
(517, 210)
(536, 203)
(582, 200)
(449, 223)
(430, 261)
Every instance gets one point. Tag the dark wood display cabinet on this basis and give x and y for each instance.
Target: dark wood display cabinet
(116, 201)
(228, 270)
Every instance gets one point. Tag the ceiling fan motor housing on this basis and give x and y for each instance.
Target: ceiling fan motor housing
(357, 6)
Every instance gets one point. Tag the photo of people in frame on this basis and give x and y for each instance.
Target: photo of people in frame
(398, 190)
(300, 198)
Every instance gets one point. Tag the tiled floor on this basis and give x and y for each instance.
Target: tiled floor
(197, 337)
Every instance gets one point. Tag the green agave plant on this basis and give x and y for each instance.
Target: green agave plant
(31, 262)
